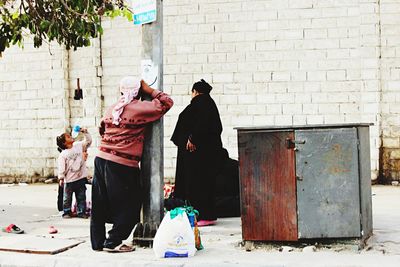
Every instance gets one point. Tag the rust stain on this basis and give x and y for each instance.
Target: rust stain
(337, 159)
(389, 168)
(338, 169)
(337, 148)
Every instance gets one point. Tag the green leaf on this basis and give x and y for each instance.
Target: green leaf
(37, 41)
(15, 15)
(100, 29)
(21, 43)
(113, 13)
(86, 42)
(127, 14)
(44, 24)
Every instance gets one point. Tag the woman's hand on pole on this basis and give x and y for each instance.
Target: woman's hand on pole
(146, 88)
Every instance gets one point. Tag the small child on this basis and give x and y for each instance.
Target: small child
(60, 196)
(72, 171)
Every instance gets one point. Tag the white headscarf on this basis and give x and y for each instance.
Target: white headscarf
(129, 86)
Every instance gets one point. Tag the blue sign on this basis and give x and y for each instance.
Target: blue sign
(145, 11)
(145, 17)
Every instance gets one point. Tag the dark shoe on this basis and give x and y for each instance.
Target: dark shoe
(67, 216)
(82, 216)
(109, 244)
(97, 247)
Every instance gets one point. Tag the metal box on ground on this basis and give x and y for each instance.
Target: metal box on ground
(305, 182)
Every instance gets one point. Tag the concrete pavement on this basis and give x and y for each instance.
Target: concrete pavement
(33, 208)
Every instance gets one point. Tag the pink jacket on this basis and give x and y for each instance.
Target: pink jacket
(123, 143)
(70, 163)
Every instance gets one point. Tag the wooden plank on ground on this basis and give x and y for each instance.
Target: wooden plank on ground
(36, 244)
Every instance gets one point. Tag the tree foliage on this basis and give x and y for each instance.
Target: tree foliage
(69, 22)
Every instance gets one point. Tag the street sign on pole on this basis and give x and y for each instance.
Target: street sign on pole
(145, 11)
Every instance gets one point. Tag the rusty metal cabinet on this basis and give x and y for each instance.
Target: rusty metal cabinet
(305, 182)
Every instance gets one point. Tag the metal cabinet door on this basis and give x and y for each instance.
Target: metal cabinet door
(267, 186)
(327, 175)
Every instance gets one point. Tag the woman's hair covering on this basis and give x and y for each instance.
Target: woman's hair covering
(129, 87)
(61, 142)
(202, 87)
(129, 84)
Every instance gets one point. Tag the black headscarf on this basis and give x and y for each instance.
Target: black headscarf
(202, 87)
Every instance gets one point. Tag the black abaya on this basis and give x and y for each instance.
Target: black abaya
(196, 171)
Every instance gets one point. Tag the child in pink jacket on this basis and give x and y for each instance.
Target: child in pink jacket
(72, 171)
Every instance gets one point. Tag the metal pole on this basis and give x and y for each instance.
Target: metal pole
(152, 165)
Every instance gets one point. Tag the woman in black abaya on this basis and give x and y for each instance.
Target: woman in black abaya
(197, 135)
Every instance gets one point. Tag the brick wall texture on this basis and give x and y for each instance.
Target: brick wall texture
(271, 62)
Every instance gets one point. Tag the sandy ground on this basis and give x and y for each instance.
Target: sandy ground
(33, 208)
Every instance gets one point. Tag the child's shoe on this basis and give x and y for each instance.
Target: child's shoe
(67, 216)
(82, 216)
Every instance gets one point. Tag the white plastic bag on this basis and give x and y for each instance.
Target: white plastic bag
(174, 237)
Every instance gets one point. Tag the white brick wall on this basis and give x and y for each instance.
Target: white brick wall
(390, 86)
(301, 60)
(32, 107)
(271, 62)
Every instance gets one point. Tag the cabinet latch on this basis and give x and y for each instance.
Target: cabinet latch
(292, 143)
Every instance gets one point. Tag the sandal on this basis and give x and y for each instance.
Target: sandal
(52, 230)
(13, 229)
(120, 248)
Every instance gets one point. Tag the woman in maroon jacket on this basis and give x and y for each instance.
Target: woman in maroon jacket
(116, 191)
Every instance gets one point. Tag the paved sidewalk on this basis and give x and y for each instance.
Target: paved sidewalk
(33, 208)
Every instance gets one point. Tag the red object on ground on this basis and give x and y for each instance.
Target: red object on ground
(52, 230)
(206, 223)
(13, 229)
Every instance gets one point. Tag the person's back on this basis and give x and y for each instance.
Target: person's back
(72, 159)
(197, 135)
(208, 127)
(116, 187)
(123, 143)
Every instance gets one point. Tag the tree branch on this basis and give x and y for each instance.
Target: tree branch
(73, 11)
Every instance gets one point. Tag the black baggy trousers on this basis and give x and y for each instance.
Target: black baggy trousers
(116, 199)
